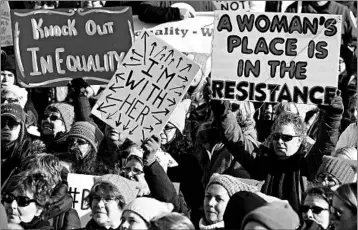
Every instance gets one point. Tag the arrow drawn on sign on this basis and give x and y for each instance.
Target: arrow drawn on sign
(131, 132)
(134, 52)
(187, 67)
(154, 44)
(118, 122)
(108, 97)
(171, 53)
(158, 112)
(102, 106)
(163, 55)
(151, 128)
(125, 64)
(118, 75)
(185, 79)
(126, 126)
(179, 87)
(159, 121)
(179, 93)
(180, 59)
(145, 35)
(164, 48)
(171, 61)
(134, 59)
(173, 102)
(114, 88)
(111, 115)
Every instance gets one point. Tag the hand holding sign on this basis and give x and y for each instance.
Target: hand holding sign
(146, 88)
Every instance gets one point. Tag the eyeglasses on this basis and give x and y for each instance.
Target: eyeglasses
(9, 100)
(331, 180)
(315, 209)
(11, 123)
(52, 117)
(336, 212)
(78, 141)
(98, 198)
(135, 171)
(284, 137)
(168, 128)
(21, 201)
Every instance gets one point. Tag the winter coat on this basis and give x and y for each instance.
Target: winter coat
(284, 179)
(92, 225)
(162, 188)
(37, 223)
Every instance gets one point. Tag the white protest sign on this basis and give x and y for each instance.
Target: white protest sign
(193, 35)
(232, 5)
(6, 32)
(273, 57)
(146, 88)
(79, 188)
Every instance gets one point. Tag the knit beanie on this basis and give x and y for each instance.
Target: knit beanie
(239, 205)
(179, 115)
(19, 92)
(231, 184)
(275, 215)
(88, 131)
(67, 113)
(337, 167)
(127, 188)
(8, 64)
(13, 110)
(148, 208)
(348, 152)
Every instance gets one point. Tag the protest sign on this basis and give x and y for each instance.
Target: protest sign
(6, 33)
(145, 90)
(232, 5)
(53, 47)
(79, 188)
(193, 35)
(275, 57)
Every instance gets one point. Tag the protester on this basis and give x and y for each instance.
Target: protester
(171, 221)
(139, 212)
(25, 198)
(107, 198)
(217, 194)
(315, 209)
(275, 215)
(8, 70)
(344, 207)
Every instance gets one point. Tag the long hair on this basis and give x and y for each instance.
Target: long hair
(88, 163)
(347, 193)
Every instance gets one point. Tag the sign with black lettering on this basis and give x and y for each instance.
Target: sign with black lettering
(274, 57)
(52, 47)
(232, 5)
(146, 88)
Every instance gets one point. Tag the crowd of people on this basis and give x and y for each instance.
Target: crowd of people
(239, 165)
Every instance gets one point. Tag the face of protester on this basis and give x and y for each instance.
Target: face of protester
(316, 209)
(7, 78)
(342, 217)
(215, 202)
(328, 180)
(77, 143)
(10, 129)
(46, 5)
(132, 221)
(168, 133)
(10, 98)
(52, 123)
(253, 225)
(105, 209)
(132, 168)
(114, 135)
(17, 212)
(285, 141)
(353, 112)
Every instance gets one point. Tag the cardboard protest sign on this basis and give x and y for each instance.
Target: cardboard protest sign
(79, 188)
(53, 47)
(232, 5)
(6, 33)
(147, 87)
(193, 35)
(275, 57)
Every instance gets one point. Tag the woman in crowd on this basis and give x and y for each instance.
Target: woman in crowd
(217, 194)
(107, 199)
(315, 209)
(344, 207)
(171, 221)
(26, 198)
(139, 212)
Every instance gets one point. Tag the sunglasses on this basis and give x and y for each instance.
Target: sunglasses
(52, 117)
(9, 100)
(78, 141)
(132, 169)
(315, 209)
(21, 201)
(284, 137)
(11, 123)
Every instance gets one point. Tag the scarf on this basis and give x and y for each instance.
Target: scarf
(203, 226)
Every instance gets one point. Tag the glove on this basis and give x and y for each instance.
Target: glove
(220, 108)
(78, 85)
(336, 106)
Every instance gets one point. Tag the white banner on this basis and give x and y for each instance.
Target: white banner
(6, 32)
